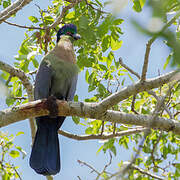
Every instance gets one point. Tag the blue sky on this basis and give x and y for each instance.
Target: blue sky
(132, 52)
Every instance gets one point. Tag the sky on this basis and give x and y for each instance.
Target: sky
(132, 52)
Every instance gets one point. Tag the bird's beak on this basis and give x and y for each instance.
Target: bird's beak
(76, 36)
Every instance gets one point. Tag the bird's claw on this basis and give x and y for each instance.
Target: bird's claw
(52, 106)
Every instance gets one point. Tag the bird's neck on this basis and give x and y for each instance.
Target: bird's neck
(64, 49)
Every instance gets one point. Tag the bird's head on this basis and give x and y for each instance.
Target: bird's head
(70, 30)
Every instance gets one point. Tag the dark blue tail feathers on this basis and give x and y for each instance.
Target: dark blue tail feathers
(45, 155)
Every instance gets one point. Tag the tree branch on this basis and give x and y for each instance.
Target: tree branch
(135, 89)
(104, 137)
(148, 46)
(142, 171)
(128, 68)
(26, 83)
(84, 110)
(24, 27)
(12, 9)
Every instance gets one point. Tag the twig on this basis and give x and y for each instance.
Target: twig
(109, 163)
(103, 12)
(133, 105)
(128, 68)
(104, 137)
(25, 27)
(41, 12)
(32, 72)
(64, 10)
(151, 92)
(142, 171)
(102, 129)
(12, 9)
(19, 98)
(146, 172)
(89, 166)
(146, 58)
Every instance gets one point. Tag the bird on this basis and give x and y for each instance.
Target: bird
(56, 77)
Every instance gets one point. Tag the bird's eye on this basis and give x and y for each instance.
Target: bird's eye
(69, 33)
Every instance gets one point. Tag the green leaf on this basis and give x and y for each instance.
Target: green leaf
(22, 151)
(167, 61)
(33, 19)
(98, 151)
(109, 59)
(113, 149)
(14, 154)
(35, 63)
(76, 119)
(115, 45)
(70, 15)
(137, 5)
(6, 4)
(103, 67)
(76, 98)
(48, 19)
(106, 43)
(89, 130)
(87, 75)
(10, 101)
(19, 133)
(83, 22)
(118, 21)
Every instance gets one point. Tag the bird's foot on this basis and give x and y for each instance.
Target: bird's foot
(52, 106)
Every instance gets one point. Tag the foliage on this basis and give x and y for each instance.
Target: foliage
(101, 37)
(9, 150)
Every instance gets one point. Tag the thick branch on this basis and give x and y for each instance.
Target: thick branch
(26, 83)
(39, 108)
(103, 137)
(134, 89)
(12, 9)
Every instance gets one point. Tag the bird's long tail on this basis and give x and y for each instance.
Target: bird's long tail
(45, 155)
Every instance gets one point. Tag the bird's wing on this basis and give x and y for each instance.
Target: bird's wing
(43, 82)
(72, 88)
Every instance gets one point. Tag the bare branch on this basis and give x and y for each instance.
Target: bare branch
(103, 12)
(25, 27)
(133, 105)
(89, 166)
(128, 68)
(104, 137)
(12, 9)
(146, 58)
(142, 171)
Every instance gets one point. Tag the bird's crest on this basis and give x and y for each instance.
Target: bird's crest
(68, 29)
